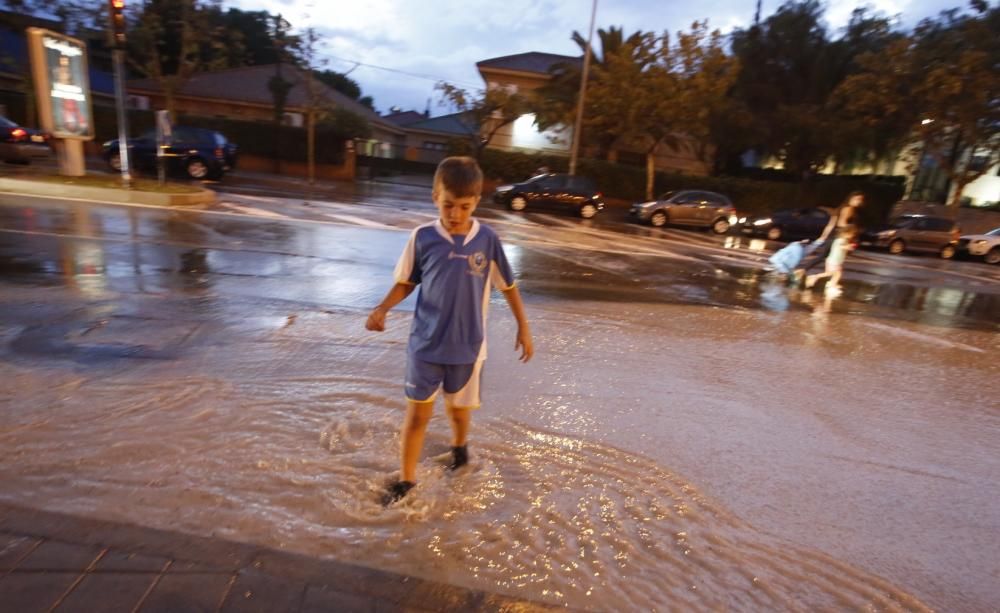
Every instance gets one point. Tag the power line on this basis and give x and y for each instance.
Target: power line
(402, 72)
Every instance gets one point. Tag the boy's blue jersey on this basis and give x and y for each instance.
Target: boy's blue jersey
(455, 274)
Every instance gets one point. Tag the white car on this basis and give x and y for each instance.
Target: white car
(985, 245)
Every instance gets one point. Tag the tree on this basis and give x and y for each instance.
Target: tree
(345, 85)
(485, 112)
(938, 88)
(171, 40)
(704, 76)
(554, 104)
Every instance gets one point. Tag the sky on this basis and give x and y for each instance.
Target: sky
(398, 49)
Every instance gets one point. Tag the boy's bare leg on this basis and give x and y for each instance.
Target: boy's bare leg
(412, 437)
(460, 418)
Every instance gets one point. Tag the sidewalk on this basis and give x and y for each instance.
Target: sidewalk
(52, 561)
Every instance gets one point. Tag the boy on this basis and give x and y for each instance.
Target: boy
(454, 259)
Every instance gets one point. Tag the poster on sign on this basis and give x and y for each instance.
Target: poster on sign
(59, 66)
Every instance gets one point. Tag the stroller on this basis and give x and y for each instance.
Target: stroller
(788, 258)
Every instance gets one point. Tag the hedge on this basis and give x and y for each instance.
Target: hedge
(255, 138)
(750, 196)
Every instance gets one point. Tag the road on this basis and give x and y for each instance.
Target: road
(691, 434)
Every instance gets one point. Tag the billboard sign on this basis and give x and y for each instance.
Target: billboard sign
(59, 67)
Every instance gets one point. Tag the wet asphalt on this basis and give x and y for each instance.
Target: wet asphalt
(278, 238)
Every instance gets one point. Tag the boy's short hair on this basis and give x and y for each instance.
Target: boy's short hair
(460, 175)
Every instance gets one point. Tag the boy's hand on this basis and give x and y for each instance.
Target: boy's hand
(524, 344)
(376, 320)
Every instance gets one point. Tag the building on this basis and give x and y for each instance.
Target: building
(526, 72)
(243, 94)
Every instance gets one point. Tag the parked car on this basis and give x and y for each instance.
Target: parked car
(688, 207)
(198, 153)
(986, 245)
(787, 224)
(916, 233)
(21, 145)
(552, 190)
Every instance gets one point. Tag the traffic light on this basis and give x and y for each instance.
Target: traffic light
(116, 9)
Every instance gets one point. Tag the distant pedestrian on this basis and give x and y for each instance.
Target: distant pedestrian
(843, 220)
(455, 260)
(834, 263)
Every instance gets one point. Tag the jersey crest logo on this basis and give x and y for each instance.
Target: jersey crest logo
(477, 262)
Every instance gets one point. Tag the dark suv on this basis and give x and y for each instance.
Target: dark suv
(578, 194)
(787, 224)
(916, 233)
(196, 152)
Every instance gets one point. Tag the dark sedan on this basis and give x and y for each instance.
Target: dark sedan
(552, 190)
(195, 152)
(787, 224)
(21, 145)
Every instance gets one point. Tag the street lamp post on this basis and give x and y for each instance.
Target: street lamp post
(117, 16)
(575, 151)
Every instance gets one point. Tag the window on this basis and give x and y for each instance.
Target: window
(932, 224)
(292, 119)
(552, 182)
(714, 199)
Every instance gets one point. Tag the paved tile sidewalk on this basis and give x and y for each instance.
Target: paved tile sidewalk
(52, 561)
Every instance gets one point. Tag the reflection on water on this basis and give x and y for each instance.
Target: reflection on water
(660, 280)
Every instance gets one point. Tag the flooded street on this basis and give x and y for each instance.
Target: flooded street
(691, 435)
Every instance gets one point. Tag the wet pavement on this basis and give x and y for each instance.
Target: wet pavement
(693, 434)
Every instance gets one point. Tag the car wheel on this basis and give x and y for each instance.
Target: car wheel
(897, 246)
(773, 233)
(197, 169)
(947, 252)
(659, 219)
(720, 226)
(992, 256)
(115, 162)
(588, 210)
(518, 203)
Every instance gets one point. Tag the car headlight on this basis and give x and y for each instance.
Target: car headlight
(733, 219)
(504, 188)
(762, 222)
(743, 219)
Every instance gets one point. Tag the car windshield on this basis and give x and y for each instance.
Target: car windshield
(994, 232)
(668, 195)
(6, 123)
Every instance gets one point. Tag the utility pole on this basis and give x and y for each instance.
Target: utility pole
(116, 14)
(575, 152)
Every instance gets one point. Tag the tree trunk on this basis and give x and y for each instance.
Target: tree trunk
(956, 200)
(311, 145)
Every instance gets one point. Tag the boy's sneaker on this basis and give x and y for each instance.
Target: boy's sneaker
(396, 491)
(459, 457)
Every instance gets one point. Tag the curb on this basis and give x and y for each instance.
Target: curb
(257, 573)
(201, 197)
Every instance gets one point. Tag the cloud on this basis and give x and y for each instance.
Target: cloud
(443, 39)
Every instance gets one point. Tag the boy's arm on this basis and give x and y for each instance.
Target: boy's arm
(523, 341)
(398, 293)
